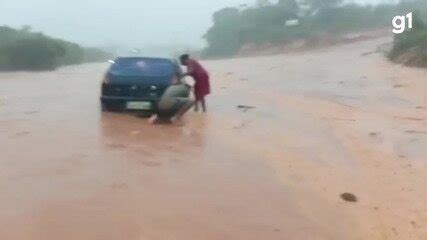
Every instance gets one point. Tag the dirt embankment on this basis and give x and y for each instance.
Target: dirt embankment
(415, 56)
(314, 42)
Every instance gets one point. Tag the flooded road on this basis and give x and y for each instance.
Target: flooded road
(324, 123)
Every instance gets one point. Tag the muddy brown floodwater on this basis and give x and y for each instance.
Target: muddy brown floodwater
(285, 138)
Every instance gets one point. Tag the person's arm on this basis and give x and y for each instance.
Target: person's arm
(190, 70)
(182, 75)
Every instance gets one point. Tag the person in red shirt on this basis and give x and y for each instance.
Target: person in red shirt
(201, 78)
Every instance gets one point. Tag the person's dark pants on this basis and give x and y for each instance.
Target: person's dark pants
(180, 103)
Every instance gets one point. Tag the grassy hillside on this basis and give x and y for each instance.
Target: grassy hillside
(26, 50)
(269, 23)
(410, 47)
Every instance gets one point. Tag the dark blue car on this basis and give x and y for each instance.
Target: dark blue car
(137, 83)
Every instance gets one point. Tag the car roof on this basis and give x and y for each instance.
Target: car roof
(147, 58)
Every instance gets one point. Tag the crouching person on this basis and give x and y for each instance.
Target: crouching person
(174, 103)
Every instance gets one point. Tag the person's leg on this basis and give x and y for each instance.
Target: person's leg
(196, 106)
(188, 104)
(153, 119)
(163, 114)
(203, 101)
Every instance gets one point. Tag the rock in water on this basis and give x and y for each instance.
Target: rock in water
(349, 197)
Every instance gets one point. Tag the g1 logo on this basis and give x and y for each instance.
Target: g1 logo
(399, 23)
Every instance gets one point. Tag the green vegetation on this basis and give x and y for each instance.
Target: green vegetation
(25, 50)
(271, 24)
(410, 47)
(267, 23)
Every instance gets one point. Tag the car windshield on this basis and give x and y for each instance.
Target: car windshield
(145, 67)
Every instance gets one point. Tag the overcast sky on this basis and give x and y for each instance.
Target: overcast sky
(118, 22)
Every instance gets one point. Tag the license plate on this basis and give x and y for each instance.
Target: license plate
(139, 105)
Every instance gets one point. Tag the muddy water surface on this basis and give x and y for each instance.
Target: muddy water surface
(324, 123)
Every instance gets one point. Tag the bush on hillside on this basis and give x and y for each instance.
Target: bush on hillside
(31, 54)
(410, 47)
(25, 50)
(265, 24)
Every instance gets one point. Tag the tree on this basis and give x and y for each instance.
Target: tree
(291, 5)
(22, 49)
(225, 15)
(322, 4)
(223, 37)
(34, 54)
(263, 3)
(26, 28)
